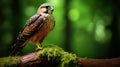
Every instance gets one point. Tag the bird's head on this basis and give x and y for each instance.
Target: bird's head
(45, 8)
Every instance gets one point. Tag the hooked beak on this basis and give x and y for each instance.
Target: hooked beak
(52, 9)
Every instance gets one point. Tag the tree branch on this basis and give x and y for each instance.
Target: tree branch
(53, 56)
(114, 62)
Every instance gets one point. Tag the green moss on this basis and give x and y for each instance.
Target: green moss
(57, 54)
(9, 61)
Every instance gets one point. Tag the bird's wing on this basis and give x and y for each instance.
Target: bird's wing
(31, 27)
(30, 21)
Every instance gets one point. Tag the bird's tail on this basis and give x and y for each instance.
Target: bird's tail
(17, 47)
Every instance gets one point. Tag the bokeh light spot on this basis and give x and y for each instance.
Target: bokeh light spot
(74, 14)
(100, 32)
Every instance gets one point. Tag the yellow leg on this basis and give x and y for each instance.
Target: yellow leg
(39, 47)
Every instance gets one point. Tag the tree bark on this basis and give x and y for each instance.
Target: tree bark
(84, 62)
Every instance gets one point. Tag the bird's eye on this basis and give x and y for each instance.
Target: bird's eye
(47, 6)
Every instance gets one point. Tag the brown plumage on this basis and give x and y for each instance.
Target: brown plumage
(36, 28)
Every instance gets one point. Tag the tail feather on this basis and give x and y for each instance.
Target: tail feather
(17, 47)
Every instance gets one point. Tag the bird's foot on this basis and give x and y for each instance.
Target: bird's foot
(39, 47)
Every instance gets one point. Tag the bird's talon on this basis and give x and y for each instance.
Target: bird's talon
(37, 49)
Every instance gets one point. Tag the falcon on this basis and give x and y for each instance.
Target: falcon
(35, 29)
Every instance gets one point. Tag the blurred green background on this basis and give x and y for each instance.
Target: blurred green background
(88, 28)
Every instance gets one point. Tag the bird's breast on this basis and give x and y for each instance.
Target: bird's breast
(47, 26)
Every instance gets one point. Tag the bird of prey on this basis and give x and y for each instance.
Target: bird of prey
(35, 29)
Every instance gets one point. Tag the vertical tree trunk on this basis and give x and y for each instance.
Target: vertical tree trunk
(115, 40)
(16, 18)
(67, 28)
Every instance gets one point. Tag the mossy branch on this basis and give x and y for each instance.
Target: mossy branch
(50, 56)
(53, 56)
